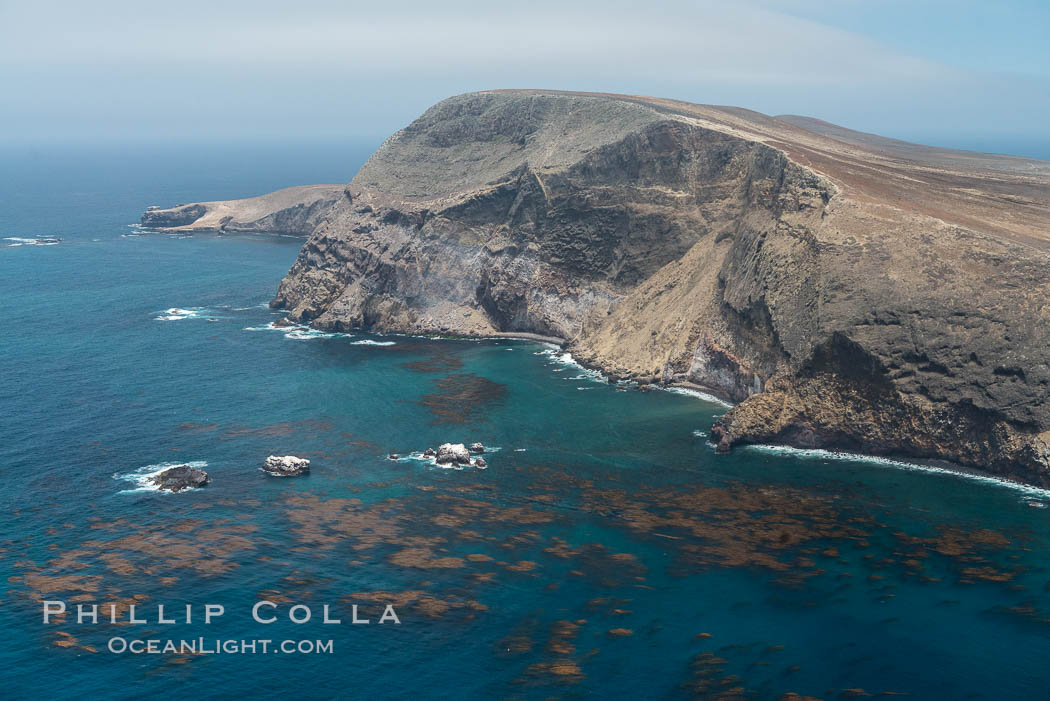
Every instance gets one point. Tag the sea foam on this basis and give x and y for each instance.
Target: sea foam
(821, 454)
(38, 241)
(304, 333)
(557, 356)
(178, 314)
(698, 394)
(299, 332)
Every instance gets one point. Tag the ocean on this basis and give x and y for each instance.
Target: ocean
(605, 551)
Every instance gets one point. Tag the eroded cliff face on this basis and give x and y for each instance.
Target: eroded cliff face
(839, 296)
(545, 245)
(927, 340)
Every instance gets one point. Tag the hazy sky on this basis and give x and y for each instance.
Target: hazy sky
(952, 72)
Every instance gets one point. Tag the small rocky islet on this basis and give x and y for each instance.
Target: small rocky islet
(175, 479)
(454, 455)
(180, 477)
(286, 465)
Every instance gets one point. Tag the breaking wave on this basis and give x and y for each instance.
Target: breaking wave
(178, 314)
(298, 332)
(821, 454)
(16, 241)
(557, 356)
(698, 394)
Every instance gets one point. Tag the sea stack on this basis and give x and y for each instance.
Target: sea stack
(286, 466)
(180, 477)
(452, 454)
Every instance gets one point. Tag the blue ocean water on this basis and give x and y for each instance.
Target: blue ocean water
(605, 551)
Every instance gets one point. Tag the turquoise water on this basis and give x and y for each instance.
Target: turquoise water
(606, 550)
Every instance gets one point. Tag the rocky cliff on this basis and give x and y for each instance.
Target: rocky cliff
(846, 290)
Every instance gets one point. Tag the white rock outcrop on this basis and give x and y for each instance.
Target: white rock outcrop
(286, 465)
(453, 454)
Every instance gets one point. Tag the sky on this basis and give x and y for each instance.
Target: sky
(955, 73)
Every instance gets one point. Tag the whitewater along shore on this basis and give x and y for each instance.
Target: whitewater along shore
(844, 290)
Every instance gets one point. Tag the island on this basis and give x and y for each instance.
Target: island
(844, 290)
